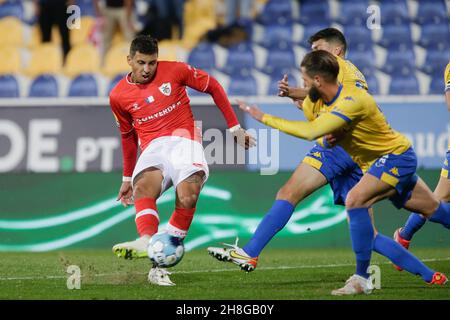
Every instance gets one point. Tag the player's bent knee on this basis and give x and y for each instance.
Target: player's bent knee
(187, 201)
(354, 200)
(290, 194)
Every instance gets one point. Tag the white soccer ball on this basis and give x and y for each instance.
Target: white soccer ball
(165, 250)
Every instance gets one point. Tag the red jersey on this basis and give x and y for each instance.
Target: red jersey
(161, 107)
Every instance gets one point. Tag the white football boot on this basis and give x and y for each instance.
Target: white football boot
(132, 249)
(354, 285)
(160, 277)
(234, 254)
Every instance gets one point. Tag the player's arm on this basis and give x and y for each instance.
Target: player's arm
(324, 124)
(296, 94)
(204, 82)
(129, 141)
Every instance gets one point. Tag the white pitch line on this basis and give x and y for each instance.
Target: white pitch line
(215, 270)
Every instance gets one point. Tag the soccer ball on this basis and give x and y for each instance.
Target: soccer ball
(165, 250)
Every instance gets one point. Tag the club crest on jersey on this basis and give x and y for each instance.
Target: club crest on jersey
(165, 89)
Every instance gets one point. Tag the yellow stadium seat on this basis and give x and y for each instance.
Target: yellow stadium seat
(11, 32)
(79, 36)
(167, 50)
(34, 39)
(116, 60)
(83, 58)
(45, 58)
(10, 60)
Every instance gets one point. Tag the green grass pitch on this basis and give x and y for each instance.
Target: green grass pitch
(281, 274)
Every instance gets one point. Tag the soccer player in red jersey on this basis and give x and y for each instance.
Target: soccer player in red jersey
(153, 113)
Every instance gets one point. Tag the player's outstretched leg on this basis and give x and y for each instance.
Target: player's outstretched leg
(234, 254)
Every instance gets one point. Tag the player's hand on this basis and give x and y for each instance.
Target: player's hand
(243, 138)
(330, 140)
(254, 111)
(283, 87)
(125, 194)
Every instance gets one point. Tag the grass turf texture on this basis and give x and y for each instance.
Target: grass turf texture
(281, 274)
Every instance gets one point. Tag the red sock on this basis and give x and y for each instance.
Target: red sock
(147, 219)
(180, 221)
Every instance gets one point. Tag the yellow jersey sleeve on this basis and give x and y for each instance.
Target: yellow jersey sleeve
(349, 74)
(350, 109)
(325, 123)
(447, 77)
(308, 108)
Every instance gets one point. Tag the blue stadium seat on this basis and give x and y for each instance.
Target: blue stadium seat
(404, 85)
(114, 82)
(279, 58)
(202, 56)
(434, 33)
(362, 60)
(372, 83)
(12, 8)
(273, 85)
(436, 85)
(396, 61)
(435, 61)
(358, 39)
(309, 30)
(274, 10)
(84, 85)
(394, 13)
(9, 86)
(396, 37)
(44, 86)
(353, 13)
(431, 12)
(86, 7)
(275, 33)
(243, 85)
(311, 12)
(240, 56)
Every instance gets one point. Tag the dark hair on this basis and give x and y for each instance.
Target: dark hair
(321, 63)
(144, 44)
(329, 35)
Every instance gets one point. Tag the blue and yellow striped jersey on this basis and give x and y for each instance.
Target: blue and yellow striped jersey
(447, 77)
(349, 75)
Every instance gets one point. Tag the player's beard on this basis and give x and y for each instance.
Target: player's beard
(314, 94)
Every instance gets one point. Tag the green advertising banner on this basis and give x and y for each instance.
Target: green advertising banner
(42, 212)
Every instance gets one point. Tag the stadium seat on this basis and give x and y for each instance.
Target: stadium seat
(433, 12)
(434, 33)
(83, 58)
(275, 33)
(396, 37)
(10, 60)
(273, 85)
(167, 50)
(436, 85)
(353, 13)
(243, 85)
(81, 35)
(114, 82)
(309, 30)
(202, 56)
(275, 9)
(44, 86)
(362, 60)
(9, 86)
(404, 85)
(86, 7)
(46, 58)
(435, 61)
(372, 83)
(83, 85)
(282, 57)
(358, 39)
(12, 9)
(116, 60)
(311, 12)
(240, 56)
(396, 61)
(394, 13)
(11, 32)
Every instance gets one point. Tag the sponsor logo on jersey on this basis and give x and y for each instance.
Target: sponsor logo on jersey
(382, 161)
(349, 98)
(165, 89)
(136, 106)
(394, 171)
(149, 99)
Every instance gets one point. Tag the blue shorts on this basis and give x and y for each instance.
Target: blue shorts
(444, 171)
(341, 172)
(399, 171)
